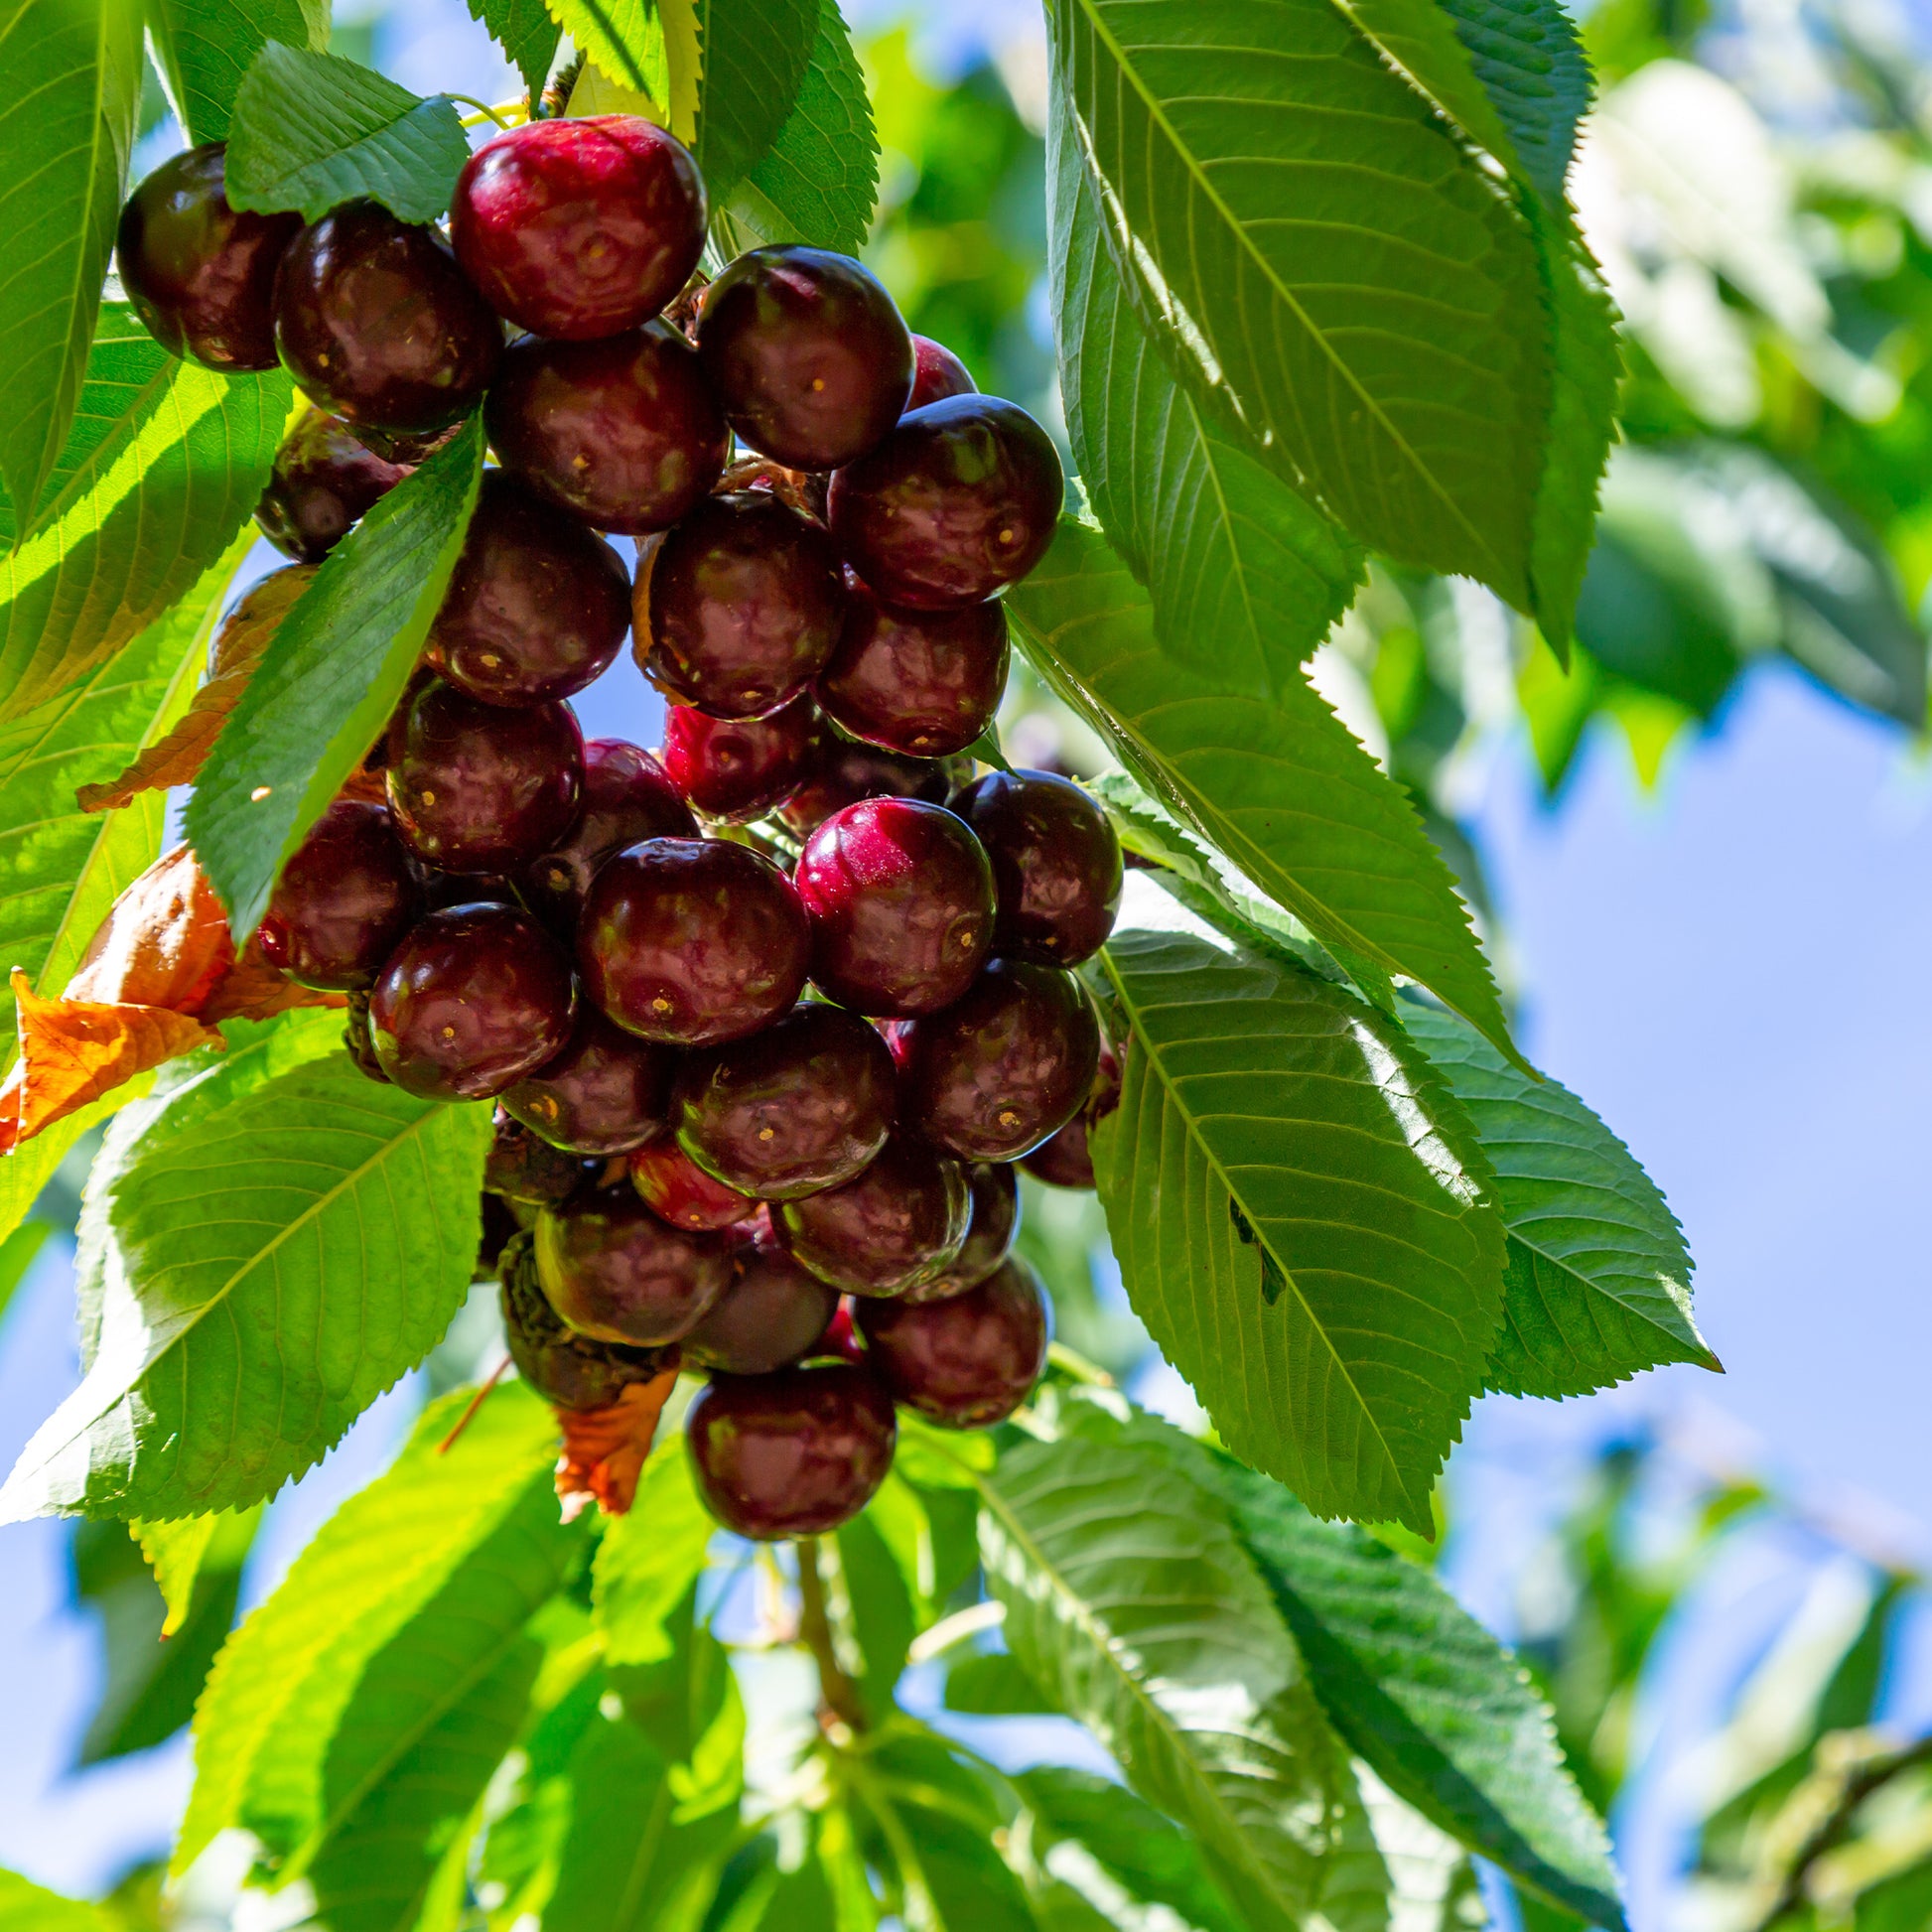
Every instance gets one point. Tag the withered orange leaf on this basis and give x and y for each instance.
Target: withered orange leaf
(252, 989)
(604, 1449)
(164, 943)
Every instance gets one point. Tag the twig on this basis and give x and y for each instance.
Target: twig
(475, 1402)
(837, 1692)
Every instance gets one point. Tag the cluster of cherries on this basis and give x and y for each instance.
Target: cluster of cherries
(767, 1017)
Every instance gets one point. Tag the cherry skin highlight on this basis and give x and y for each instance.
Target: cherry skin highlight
(200, 274)
(989, 1234)
(922, 682)
(807, 353)
(676, 1189)
(344, 900)
(577, 228)
(968, 1361)
(1057, 860)
(937, 373)
(323, 480)
(613, 1270)
(899, 1222)
(607, 1092)
(772, 1315)
(692, 941)
(738, 767)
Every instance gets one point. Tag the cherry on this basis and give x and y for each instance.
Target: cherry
(476, 788)
(841, 773)
(968, 1361)
(1065, 1159)
(793, 1454)
(200, 274)
(569, 1371)
(678, 1191)
(374, 319)
(473, 1000)
(621, 432)
(578, 228)
(522, 1168)
(899, 1222)
(740, 606)
(737, 768)
(1057, 859)
(959, 501)
(900, 901)
(537, 607)
(358, 1042)
(344, 900)
(692, 941)
(1009, 1065)
(626, 797)
(773, 1314)
(937, 373)
(607, 1092)
(802, 1106)
(322, 480)
(613, 1270)
(989, 1235)
(807, 353)
(926, 682)
(442, 890)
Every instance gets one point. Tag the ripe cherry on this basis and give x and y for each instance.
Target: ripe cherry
(621, 432)
(900, 901)
(803, 1105)
(521, 1167)
(626, 797)
(841, 773)
(899, 1222)
(740, 606)
(692, 941)
(773, 1314)
(569, 1370)
(471, 1001)
(537, 607)
(607, 1092)
(968, 1361)
(1065, 1159)
(344, 900)
(959, 501)
(1057, 859)
(375, 321)
(1007, 1064)
(937, 373)
(613, 1270)
(737, 768)
(676, 1189)
(323, 481)
(579, 229)
(989, 1235)
(807, 353)
(924, 682)
(200, 274)
(792, 1453)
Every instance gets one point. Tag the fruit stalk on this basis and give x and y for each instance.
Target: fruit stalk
(838, 1695)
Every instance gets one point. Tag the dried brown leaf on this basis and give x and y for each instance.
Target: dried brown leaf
(604, 1449)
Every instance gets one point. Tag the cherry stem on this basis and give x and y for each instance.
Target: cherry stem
(838, 1694)
(484, 113)
(475, 1402)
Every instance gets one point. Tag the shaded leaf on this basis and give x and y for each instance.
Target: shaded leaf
(204, 46)
(624, 38)
(994, 1684)
(1531, 63)
(648, 1558)
(879, 1610)
(525, 32)
(752, 56)
(18, 1252)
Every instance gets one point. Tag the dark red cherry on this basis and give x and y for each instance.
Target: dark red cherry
(792, 1453)
(1009, 1065)
(621, 433)
(358, 1042)
(613, 1269)
(626, 797)
(899, 1222)
(924, 682)
(959, 501)
(692, 941)
(323, 481)
(473, 1000)
(477, 788)
(499, 1228)
(342, 901)
(1057, 860)
(569, 1370)
(200, 274)
(578, 228)
(375, 321)
(740, 606)
(738, 767)
(521, 1167)
(900, 901)
(802, 1106)
(841, 773)
(773, 1314)
(538, 606)
(967, 1361)
(989, 1235)
(937, 373)
(676, 1189)
(807, 353)
(607, 1092)
(1065, 1159)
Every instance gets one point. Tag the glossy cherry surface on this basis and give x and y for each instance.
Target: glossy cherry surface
(937, 373)
(200, 274)
(773, 1314)
(840, 774)
(807, 353)
(737, 768)
(523, 1167)
(477, 788)
(578, 227)
(607, 1092)
(621, 432)
(741, 606)
(1065, 1159)
(900, 901)
(898, 1223)
(1057, 860)
(569, 1370)
(994, 1221)
(375, 321)
(1007, 1064)
(803, 1105)
(968, 1361)
(958, 501)
(626, 797)
(613, 1269)
(922, 682)
(678, 1191)
(692, 941)
(473, 1000)
(344, 900)
(537, 606)
(792, 1453)
(323, 481)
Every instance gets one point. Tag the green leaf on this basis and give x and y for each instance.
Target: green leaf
(1302, 1216)
(181, 1553)
(165, 462)
(67, 126)
(18, 1251)
(994, 1684)
(625, 38)
(268, 1243)
(525, 32)
(1598, 1279)
(881, 1609)
(28, 1907)
(204, 46)
(313, 130)
(330, 679)
(1531, 63)
(752, 56)
(650, 1558)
